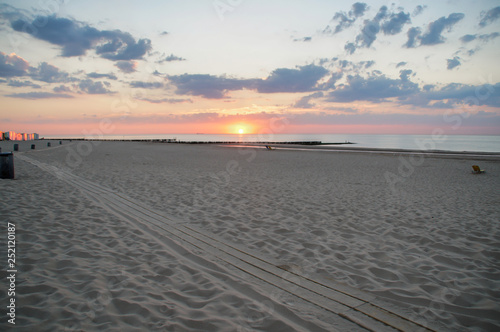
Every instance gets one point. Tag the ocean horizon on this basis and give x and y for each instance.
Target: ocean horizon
(458, 143)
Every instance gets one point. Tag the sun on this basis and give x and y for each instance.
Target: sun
(241, 131)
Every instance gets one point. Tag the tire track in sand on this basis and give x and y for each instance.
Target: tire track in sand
(352, 305)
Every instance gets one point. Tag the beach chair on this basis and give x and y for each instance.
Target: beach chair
(476, 169)
(269, 148)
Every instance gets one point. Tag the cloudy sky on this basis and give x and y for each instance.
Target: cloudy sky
(218, 66)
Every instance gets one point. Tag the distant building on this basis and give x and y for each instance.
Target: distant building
(13, 136)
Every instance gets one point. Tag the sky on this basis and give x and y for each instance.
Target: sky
(119, 67)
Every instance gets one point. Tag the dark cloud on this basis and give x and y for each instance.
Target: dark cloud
(109, 76)
(76, 38)
(490, 16)
(39, 95)
(126, 66)
(455, 94)
(390, 23)
(304, 102)
(208, 86)
(146, 85)
(345, 20)
(19, 84)
(433, 35)
(375, 88)
(395, 23)
(350, 48)
(49, 74)
(418, 10)
(484, 38)
(61, 88)
(12, 65)
(405, 74)
(172, 57)
(305, 39)
(401, 64)
(452, 63)
(413, 34)
(303, 79)
(94, 88)
(122, 46)
(371, 28)
(467, 38)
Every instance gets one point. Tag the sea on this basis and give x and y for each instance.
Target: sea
(458, 143)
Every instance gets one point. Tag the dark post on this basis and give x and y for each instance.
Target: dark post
(48, 144)
(6, 165)
(60, 142)
(32, 146)
(16, 147)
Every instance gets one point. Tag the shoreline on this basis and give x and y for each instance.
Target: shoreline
(296, 146)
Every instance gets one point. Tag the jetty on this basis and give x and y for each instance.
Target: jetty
(175, 141)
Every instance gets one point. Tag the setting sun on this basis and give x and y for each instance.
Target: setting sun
(240, 131)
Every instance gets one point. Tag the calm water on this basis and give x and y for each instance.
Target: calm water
(419, 142)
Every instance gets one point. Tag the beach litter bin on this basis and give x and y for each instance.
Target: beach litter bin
(48, 144)
(16, 147)
(32, 146)
(6, 165)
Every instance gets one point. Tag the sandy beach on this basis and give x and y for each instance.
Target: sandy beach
(135, 236)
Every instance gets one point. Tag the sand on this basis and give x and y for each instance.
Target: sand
(148, 236)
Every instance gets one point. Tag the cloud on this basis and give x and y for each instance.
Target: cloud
(484, 38)
(208, 86)
(122, 46)
(304, 102)
(109, 76)
(455, 94)
(303, 79)
(305, 39)
(371, 28)
(39, 95)
(94, 88)
(76, 38)
(61, 88)
(452, 63)
(489, 17)
(146, 85)
(390, 23)
(350, 48)
(171, 58)
(375, 88)
(401, 64)
(413, 34)
(12, 65)
(49, 74)
(19, 84)
(166, 100)
(126, 66)
(433, 34)
(418, 10)
(345, 20)
(395, 23)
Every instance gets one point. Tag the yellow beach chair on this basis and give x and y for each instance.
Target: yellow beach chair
(476, 169)
(269, 148)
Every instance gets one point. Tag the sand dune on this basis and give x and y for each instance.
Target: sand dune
(426, 248)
